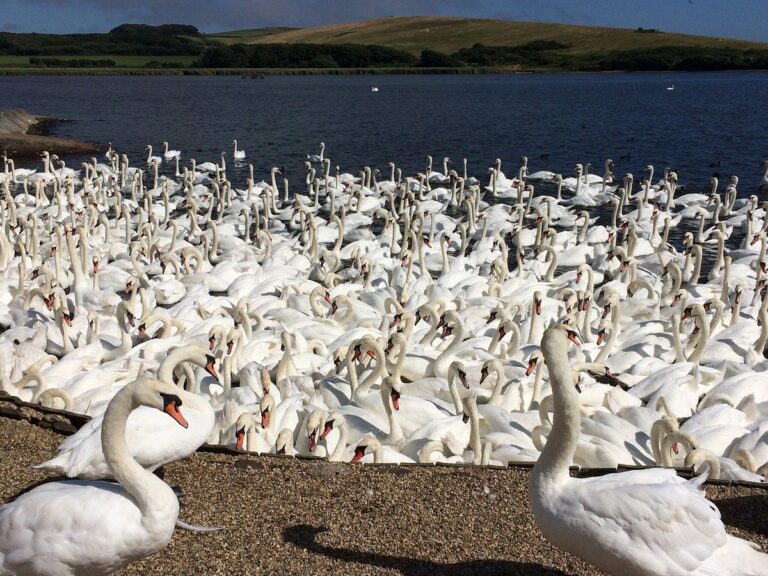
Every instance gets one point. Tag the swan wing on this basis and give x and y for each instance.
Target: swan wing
(650, 519)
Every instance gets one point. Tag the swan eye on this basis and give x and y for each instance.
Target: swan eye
(170, 399)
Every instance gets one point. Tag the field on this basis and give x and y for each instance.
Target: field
(13, 61)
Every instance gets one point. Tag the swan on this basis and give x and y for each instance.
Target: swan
(318, 159)
(238, 154)
(170, 154)
(150, 158)
(77, 527)
(81, 454)
(764, 181)
(370, 446)
(643, 522)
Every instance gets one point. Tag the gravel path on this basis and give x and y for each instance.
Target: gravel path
(288, 516)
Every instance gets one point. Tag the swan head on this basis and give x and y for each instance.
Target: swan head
(738, 292)
(558, 336)
(604, 328)
(368, 445)
(233, 337)
(160, 395)
(284, 442)
(335, 420)
(533, 362)
(537, 302)
(457, 368)
(583, 268)
(389, 383)
(680, 297)
(266, 407)
(316, 419)
(338, 358)
(243, 424)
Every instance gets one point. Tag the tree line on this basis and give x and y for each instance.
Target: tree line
(541, 54)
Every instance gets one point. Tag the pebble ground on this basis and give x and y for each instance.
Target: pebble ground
(307, 517)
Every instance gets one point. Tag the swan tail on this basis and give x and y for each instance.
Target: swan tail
(197, 529)
(696, 482)
(56, 464)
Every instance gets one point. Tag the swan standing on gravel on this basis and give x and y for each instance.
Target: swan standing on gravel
(96, 528)
(640, 523)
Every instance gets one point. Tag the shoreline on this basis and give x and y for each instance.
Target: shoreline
(255, 73)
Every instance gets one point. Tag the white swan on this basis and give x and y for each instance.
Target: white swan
(238, 154)
(170, 154)
(81, 454)
(315, 158)
(647, 522)
(150, 158)
(96, 527)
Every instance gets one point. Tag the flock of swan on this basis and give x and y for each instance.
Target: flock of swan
(387, 319)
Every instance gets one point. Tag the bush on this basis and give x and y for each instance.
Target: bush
(221, 56)
(432, 59)
(318, 55)
(71, 63)
(174, 29)
(323, 61)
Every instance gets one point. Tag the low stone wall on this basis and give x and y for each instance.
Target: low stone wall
(24, 134)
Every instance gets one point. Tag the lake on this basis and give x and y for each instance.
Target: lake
(710, 122)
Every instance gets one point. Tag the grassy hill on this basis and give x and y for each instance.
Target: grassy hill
(408, 44)
(448, 35)
(246, 36)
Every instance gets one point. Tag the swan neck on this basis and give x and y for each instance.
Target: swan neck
(557, 455)
(151, 494)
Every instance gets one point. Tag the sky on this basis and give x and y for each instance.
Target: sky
(746, 19)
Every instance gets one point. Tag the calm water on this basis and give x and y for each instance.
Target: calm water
(556, 120)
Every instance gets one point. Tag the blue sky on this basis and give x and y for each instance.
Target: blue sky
(746, 19)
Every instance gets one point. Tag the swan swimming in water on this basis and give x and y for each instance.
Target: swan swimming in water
(237, 154)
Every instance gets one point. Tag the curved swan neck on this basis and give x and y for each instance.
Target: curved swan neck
(146, 488)
(557, 455)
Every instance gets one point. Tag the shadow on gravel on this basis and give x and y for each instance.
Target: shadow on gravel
(746, 512)
(303, 536)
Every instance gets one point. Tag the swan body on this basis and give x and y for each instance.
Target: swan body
(79, 527)
(642, 522)
(81, 455)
